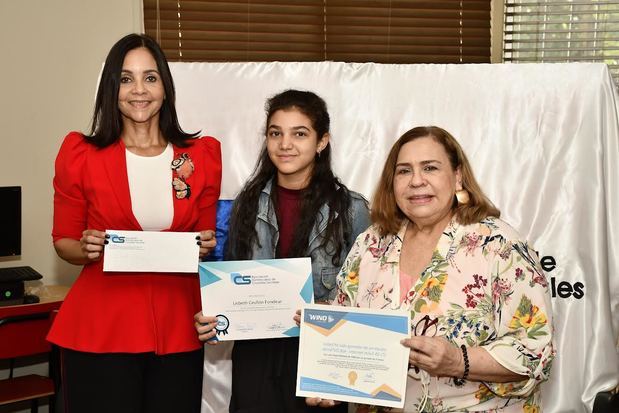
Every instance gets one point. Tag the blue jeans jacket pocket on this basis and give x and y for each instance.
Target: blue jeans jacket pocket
(327, 279)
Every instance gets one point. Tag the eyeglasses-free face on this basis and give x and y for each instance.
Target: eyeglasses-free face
(292, 145)
(424, 182)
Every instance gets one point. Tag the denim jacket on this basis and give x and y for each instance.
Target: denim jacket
(323, 270)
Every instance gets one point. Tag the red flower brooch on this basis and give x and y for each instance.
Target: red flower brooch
(182, 168)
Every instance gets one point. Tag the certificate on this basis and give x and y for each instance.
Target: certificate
(256, 298)
(151, 251)
(352, 354)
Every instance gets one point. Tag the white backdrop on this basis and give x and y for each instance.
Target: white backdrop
(543, 140)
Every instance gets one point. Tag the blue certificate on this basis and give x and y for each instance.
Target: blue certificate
(352, 354)
(256, 298)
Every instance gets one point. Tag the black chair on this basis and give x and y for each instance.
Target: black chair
(606, 402)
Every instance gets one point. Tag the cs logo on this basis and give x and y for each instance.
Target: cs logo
(240, 279)
(117, 239)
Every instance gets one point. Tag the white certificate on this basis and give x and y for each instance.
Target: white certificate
(354, 355)
(256, 298)
(151, 251)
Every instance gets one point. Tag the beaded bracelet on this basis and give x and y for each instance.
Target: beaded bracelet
(465, 355)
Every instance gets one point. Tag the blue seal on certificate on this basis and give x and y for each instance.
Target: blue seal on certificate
(222, 324)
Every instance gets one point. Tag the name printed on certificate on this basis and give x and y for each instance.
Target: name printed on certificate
(354, 355)
(151, 251)
(256, 299)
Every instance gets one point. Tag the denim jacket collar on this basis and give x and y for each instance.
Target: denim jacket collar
(266, 212)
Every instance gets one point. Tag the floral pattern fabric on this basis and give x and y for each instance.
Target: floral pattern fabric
(484, 287)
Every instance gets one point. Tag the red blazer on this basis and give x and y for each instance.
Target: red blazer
(127, 312)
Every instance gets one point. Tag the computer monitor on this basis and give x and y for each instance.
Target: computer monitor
(10, 221)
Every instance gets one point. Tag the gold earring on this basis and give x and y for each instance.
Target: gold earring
(462, 196)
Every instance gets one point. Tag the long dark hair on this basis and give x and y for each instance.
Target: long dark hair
(323, 188)
(106, 125)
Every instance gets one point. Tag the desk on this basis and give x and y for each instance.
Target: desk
(48, 293)
(21, 339)
(24, 329)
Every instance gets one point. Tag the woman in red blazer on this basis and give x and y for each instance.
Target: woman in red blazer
(128, 342)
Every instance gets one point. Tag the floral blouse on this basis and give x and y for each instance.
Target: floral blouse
(484, 287)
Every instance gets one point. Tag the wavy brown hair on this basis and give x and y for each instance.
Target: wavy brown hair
(385, 212)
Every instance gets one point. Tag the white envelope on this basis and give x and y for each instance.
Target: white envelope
(151, 251)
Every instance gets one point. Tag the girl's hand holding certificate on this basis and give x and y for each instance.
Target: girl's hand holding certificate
(205, 326)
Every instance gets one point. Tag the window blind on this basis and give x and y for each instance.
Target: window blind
(562, 31)
(383, 31)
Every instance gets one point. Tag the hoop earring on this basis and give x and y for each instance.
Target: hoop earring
(463, 196)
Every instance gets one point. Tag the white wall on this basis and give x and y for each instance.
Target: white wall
(51, 54)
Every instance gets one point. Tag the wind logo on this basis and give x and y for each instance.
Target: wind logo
(240, 279)
(321, 318)
(117, 239)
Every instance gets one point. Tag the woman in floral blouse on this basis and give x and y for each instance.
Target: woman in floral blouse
(479, 301)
